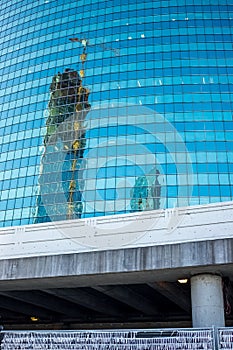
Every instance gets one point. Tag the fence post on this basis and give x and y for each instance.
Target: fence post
(1, 334)
(216, 337)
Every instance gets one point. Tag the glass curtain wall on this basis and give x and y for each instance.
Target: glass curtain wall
(114, 107)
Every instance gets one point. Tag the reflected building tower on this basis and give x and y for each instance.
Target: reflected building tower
(145, 195)
(64, 142)
(66, 185)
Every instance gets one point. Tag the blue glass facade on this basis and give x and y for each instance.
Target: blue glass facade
(147, 123)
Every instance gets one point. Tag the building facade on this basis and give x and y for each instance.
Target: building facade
(142, 119)
(116, 163)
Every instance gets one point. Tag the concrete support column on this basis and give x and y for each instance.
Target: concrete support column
(207, 301)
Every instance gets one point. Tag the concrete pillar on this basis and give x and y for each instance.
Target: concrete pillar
(207, 301)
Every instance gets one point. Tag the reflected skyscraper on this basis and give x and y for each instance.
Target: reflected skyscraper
(145, 195)
(66, 187)
(64, 142)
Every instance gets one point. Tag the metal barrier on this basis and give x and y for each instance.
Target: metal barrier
(166, 339)
(225, 338)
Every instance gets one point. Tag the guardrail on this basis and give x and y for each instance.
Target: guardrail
(158, 339)
(164, 339)
(225, 338)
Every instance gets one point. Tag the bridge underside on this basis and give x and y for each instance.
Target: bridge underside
(144, 305)
(103, 306)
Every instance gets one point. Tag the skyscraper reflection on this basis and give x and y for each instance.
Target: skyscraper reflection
(59, 189)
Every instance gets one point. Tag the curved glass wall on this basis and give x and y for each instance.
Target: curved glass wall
(110, 107)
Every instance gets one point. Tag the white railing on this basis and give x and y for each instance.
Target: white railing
(110, 340)
(225, 338)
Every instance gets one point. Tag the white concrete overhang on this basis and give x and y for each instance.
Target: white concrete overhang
(142, 229)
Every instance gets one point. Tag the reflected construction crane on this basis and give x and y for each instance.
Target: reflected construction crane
(85, 43)
(82, 98)
(83, 56)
